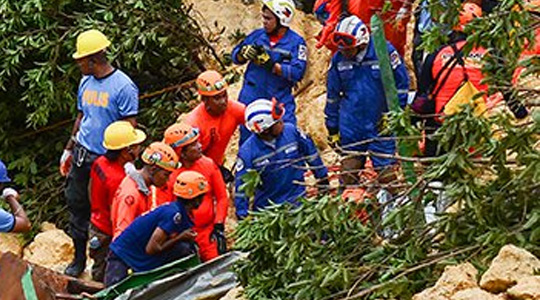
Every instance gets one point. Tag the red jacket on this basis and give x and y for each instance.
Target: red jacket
(395, 30)
(129, 202)
(216, 132)
(105, 177)
(214, 206)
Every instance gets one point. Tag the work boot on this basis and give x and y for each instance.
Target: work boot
(77, 266)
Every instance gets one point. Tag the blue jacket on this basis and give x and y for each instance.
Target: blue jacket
(291, 52)
(355, 93)
(279, 164)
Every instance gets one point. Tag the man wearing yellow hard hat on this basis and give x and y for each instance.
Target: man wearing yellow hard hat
(123, 144)
(105, 95)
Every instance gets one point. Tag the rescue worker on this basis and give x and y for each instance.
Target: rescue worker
(209, 218)
(330, 12)
(277, 59)
(16, 221)
(278, 152)
(105, 95)
(161, 236)
(217, 118)
(137, 191)
(122, 142)
(445, 71)
(356, 104)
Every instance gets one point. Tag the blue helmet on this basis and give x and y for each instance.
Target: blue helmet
(3, 173)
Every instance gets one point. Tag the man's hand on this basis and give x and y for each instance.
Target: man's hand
(334, 141)
(187, 235)
(382, 126)
(218, 235)
(248, 52)
(65, 162)
(9, 192)
(263, 59)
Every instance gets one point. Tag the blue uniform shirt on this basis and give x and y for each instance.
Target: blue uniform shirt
(103, 101)
(291, 52)
(356, 99)
(130, 246)
(7, 221)
(279, 163)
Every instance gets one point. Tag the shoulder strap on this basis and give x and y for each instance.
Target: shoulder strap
(450, 65)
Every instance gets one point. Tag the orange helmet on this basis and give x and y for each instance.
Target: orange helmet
(210, 83)
(161, 155)
(190, 184)
(469, 11)
(180, 134)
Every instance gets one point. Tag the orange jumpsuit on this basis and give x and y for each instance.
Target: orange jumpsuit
(395, 31)
(128, 203)
(213, 209)
(527, 53)
(216, 132)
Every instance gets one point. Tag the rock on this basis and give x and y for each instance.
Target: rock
(453, 280)
(527, 288)
(51, 249)
(234, 294)
(510, 265)
(10, 242)
(475, 294)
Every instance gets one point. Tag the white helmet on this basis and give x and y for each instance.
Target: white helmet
(283, 9)
(261, 114)
(354, 27)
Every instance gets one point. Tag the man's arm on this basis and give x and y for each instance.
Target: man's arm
(311, 155)
(241, 201)
(220, 192)
(22, 223)
(333, 98)
(295, 69)
(160, 241)
(71, 143)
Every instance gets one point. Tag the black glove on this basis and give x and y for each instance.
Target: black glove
(218, 235)
(263, 59)
(226, 174)
(248, 52)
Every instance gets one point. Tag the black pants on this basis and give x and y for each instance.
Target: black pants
(99, 254)
(78, 203)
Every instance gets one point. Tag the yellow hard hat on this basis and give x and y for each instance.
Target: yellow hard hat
(90, 42)
(122, 134)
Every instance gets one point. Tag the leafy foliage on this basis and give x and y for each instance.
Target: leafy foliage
(155, 42)
(322, 251)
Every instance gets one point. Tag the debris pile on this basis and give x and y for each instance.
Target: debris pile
(510, 276)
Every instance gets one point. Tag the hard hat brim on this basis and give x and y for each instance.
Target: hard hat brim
(212, 93)
(140, 137)
(78, 55)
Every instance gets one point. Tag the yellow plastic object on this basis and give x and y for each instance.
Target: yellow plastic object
(465, 95)
(122, 134)
(90, 42)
